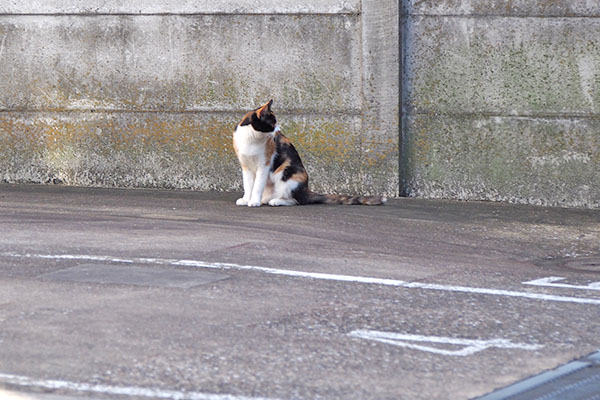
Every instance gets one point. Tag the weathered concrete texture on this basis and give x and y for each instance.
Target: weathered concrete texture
(502, 101)
(522, 66)
(542, 161)
(178, 150)
(118, 149)
(381, 92)
(95, 94)
(176, 63)
(584, 8)
(179, 7)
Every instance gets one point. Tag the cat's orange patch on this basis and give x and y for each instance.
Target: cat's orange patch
(235, 148)
(283, 166)
(247, 117)
(301, 176)
(263, 108)
(237, 153)
(269, 150)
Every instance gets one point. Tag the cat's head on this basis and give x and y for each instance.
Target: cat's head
(262, 119)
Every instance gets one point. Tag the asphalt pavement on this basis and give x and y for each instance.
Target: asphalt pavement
(129, 294)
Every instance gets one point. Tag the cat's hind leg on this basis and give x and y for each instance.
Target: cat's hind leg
(282, 193)
(282, 202)
(268, 192)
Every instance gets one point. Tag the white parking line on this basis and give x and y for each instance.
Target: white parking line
(133, 391)
(316, 275)
(550, 282)
(472, 346)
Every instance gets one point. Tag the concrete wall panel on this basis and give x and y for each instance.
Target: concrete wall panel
(502, 101)
(180, 63)
(537, 8)
(506, 66)
(381, 94)
(542, 161)
(95, 7)
(147, 93)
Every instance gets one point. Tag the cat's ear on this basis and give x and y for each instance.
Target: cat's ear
(263, 108)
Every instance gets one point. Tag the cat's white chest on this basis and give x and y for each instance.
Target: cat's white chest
(251, 146)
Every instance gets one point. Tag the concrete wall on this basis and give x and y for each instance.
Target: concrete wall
(148, 92)
(502, 100)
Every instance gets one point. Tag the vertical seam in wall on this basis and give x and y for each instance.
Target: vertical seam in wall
(363, 100)
(402, 189)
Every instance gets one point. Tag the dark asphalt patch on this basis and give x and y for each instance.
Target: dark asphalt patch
(134, 275)
(589, 264)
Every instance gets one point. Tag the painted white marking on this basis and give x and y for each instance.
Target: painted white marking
(550, 281)
(471, 346)
(24, 381)
(4, 395)
(317, 275)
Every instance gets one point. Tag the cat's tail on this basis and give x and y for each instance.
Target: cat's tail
(314, 198)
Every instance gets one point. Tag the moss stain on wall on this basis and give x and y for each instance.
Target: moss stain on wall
(175, 151)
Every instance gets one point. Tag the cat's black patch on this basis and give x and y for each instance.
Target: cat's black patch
(277, 161)
(286, 151)
(266, 122)
(246, 120)
(300, 194)
(290, 171)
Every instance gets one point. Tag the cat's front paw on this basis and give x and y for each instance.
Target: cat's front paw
(241, 202)
(252, 203)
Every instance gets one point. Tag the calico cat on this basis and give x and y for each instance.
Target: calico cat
(271, 167)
